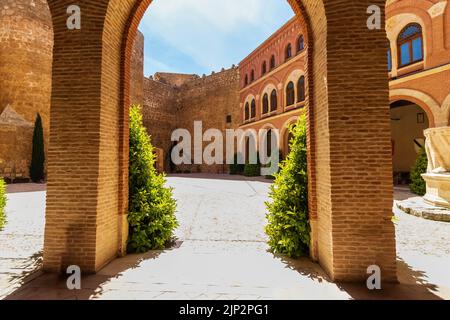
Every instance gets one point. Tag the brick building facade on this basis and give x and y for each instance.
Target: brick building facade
(418, 44)
(273, 88)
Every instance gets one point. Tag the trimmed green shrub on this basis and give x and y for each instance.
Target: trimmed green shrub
(38, 154)
(151, 205)
(288, 226)
(2, 203)
(236, 168)
(253, 170)
(418, 185)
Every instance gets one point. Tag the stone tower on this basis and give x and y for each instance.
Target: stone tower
(26, 44)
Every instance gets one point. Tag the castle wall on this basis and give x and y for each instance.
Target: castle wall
(26, 53)
(210, 99)
(159, 114)
(26, 44)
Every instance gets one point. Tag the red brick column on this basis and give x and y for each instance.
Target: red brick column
(352, 168)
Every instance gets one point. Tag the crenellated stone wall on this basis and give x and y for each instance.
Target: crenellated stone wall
(173, 101)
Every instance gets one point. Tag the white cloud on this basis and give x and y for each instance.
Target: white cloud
(155, 64)
(211, 32)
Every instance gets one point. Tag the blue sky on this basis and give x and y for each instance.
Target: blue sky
(200, 36)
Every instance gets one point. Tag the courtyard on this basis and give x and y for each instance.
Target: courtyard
(220, 253)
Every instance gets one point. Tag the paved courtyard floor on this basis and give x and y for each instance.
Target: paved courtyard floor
(221, 253)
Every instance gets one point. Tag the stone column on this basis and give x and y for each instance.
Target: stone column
(438, 174)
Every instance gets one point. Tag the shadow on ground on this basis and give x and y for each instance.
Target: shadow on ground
(413, 283)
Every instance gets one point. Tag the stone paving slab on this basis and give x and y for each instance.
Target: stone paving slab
(222, 254)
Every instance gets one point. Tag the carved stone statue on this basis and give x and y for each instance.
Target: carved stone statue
(437, 146)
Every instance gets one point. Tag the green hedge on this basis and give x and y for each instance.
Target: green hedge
(288, 226)
(418, 185)
(252, 170)
(151, 205)
(2, 203)
(236, 168)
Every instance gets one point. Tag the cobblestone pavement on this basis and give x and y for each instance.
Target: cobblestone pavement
(221, 254)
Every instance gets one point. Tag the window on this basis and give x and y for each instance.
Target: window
(229, 119)
(247, 112)
(246, 80)
(290, 94)
(389, 59)
(410, 45)
(252, 76)
(272, 62)
(265, 103)
(301, 92)
(253, 109)
(264, 68)
(300, 44)
(273, 100)
(288, 53)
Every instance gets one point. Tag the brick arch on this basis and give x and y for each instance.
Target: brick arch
(88, 157)
(426, 102)
(285, 132)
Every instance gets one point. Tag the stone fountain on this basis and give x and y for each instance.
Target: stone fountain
(437, 146)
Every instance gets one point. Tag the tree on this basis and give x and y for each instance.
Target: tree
(288, 226)
(418, 185)
(151, 205)
(38, 153)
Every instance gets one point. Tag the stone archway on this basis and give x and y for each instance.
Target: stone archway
(349, 143)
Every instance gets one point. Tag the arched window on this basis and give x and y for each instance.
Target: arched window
(246, 80)
(253, 109)
(273, 100)
(410, 45)
(272, 62)
(264, 68)
(247, 111)
(288, 52)
(301, 92)
(290, 94)
(252, 76)
(300, 44)
(265, 103)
